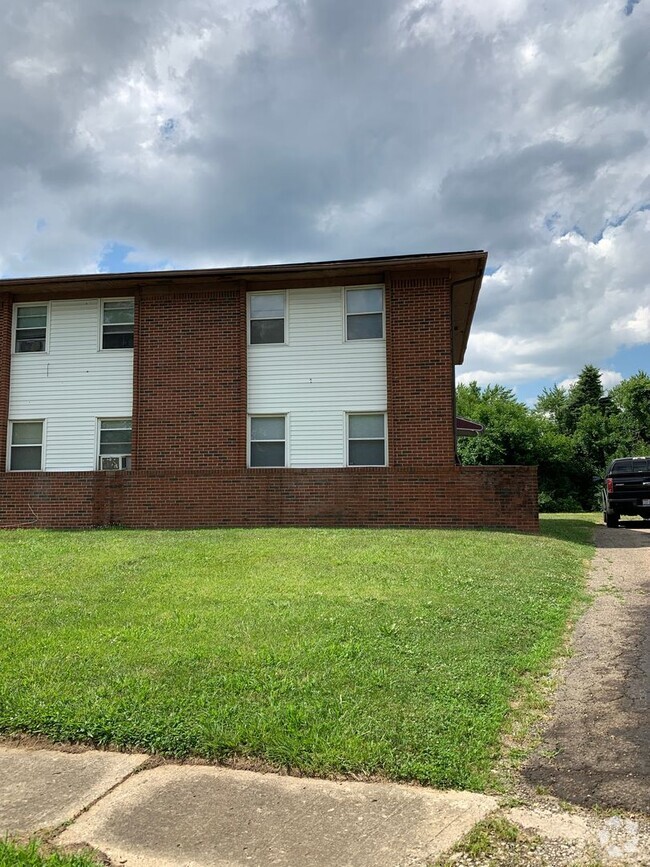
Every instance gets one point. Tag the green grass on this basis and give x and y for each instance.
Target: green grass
(485, 837)
(329, 651)
(32, 855)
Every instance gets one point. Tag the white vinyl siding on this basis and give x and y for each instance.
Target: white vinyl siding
(72, 385)
(317, 377)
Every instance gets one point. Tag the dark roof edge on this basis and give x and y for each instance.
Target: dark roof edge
(417, 259)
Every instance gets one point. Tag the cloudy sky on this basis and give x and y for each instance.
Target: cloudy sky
(144, 134)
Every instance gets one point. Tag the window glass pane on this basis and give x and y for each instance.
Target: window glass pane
(365, 327)
(116, 424)
(368, 453)
(119, 328)
(27, 433)
(26, 458)
(119, 448)
(30, 344)
(116, 436)
(365, 300)
(267, 331)
(118, 311)
(31, 317)
(267, 306)
(120, 340)
(30, 333)
(366, 426)
(268, 428)
(267, 454)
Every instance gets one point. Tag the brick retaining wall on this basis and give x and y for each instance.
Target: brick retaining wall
(465, 497)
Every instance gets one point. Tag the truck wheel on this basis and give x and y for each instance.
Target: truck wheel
(611, 519)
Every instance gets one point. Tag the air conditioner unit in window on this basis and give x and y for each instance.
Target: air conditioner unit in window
(115, 462)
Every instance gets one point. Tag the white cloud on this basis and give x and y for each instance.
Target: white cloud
(201, 132)
(634, 328)
(560, 307)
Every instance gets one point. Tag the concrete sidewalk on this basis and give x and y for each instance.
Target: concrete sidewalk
(204, 815)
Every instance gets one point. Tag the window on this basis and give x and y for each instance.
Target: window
(266, 315)
(268, 441)
(115, 444)
(364, 314)
(117, 324)
(367, 440)
(31, 327)
(26, 445)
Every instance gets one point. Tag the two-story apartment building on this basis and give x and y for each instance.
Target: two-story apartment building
(311, 394)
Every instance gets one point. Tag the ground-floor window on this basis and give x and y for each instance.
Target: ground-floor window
(366, 439)
(26, 450)
(268, 441)
(115, 444)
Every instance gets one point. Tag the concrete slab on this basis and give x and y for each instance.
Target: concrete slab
(40, 789)
(189, 815)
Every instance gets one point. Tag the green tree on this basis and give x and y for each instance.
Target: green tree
(586, 391)
(571, 434)
(509, 430)
(514, 434)
(552, 403)
(632, 400)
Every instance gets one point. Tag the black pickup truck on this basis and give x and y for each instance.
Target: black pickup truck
(626, 489)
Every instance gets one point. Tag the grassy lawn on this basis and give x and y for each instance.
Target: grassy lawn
(32, 855)
(330, 651)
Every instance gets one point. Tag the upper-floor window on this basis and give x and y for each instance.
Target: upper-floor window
(266, 315)
(31, 327)
(364, 314)
(268, 441)
(26, 451)
(115, 444)
(366, 439)
(117, 324)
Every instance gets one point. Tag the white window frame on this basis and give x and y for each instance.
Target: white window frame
(122, 457)
(10, 437)
(249, 295)
(249, 441)
(347, 289)
(384, 415)
(14, 328)
(100, 336)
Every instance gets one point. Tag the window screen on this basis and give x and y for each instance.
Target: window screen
(366, 440)
(31, 328)
(117, 324)
(267, 315)
(26, 445)
(115, 444)
(364, 314)
(268, 441)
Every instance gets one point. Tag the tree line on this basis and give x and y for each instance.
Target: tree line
(571, 434)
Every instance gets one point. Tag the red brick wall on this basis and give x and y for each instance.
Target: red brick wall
(420, 372)
(501, 497)
(190, 381)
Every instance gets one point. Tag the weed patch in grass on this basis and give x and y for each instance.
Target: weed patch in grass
(488, 835)
(393, 653)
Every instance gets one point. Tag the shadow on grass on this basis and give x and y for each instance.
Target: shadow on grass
(574, 528)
